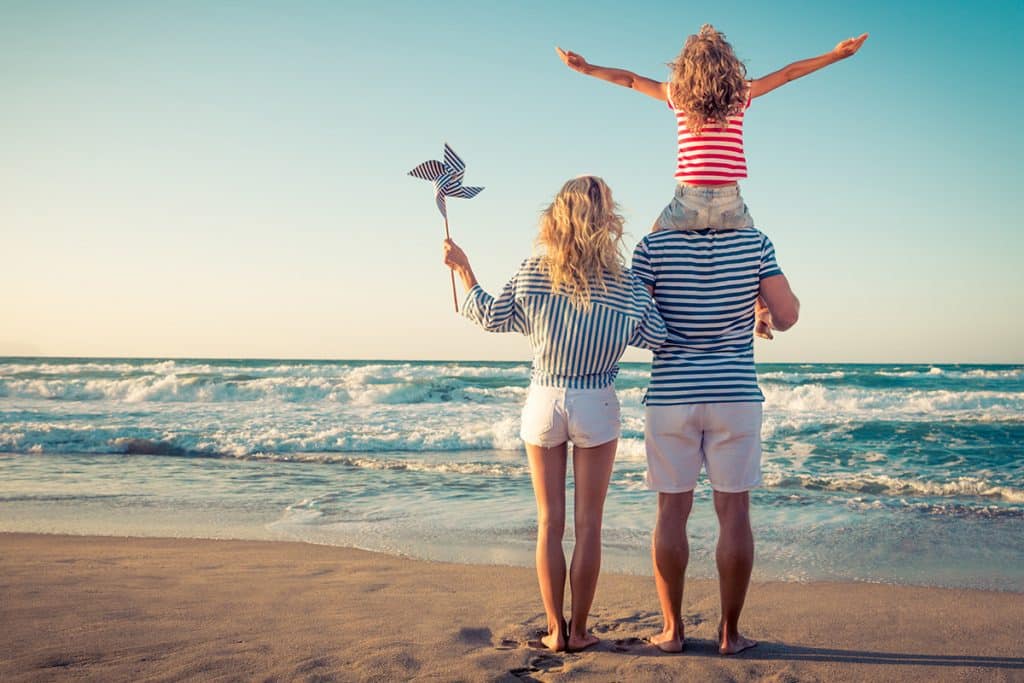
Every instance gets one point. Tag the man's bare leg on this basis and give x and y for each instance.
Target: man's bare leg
(547, 471)
(670, 552)
(735, 558)
(592, 470)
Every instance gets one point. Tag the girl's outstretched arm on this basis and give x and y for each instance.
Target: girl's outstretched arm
(846, 48)
(627, 79)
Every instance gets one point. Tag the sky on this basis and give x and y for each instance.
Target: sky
(222, 179)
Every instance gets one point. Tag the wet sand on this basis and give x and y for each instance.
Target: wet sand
(113, 609)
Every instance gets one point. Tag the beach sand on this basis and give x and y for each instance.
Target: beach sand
(120, 609)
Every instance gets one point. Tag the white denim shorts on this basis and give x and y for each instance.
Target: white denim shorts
(725, 438)
(554, 415)
(703, 207)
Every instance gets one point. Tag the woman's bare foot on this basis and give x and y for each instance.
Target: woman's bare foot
(554, 642)
(555, 639)
(733, 644)
(581, 641)
(669, 640)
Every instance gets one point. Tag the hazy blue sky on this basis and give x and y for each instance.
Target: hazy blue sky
(228, 179)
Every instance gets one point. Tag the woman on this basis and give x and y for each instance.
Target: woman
(580, 307)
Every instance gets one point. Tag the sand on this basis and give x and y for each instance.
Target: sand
(134, 609)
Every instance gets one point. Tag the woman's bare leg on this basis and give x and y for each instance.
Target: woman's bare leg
(592, 470)
(547, 471)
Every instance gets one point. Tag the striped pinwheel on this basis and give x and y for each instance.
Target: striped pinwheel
(447, 178)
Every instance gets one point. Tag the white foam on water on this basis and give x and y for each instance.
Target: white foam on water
(892, 486)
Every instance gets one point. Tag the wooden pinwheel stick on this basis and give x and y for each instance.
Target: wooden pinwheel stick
(451, 271)
(447, 178)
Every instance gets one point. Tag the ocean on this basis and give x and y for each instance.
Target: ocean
(909, 474)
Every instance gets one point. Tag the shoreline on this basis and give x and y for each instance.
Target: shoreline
(278, 537)
(124, 608)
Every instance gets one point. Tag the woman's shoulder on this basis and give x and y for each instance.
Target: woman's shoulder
(626, 283)
(532, 262)
(532, 276)
(532, 267)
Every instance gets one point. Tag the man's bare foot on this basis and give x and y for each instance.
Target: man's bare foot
(669, 641)
(733, 645)
(763, 330)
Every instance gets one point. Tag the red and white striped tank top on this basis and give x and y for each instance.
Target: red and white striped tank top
(715, 157)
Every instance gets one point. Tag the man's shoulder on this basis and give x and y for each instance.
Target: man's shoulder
(681, 239)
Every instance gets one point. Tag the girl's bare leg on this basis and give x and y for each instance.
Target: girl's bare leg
(592, 469)
(762, 320)
(547, 471)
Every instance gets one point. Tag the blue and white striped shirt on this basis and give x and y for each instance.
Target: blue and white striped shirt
(572, 347)
(705, 283)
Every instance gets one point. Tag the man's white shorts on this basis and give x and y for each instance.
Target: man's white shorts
(723, 437)
(554, 415)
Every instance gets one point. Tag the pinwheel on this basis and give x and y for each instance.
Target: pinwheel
(447, 178)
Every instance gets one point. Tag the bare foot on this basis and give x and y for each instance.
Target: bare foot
(579, 642)
(763, 330)
(554, 640)
(669, 641)
(734, 644)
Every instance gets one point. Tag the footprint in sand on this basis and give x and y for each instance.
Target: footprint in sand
(630, 644)
(538, 664)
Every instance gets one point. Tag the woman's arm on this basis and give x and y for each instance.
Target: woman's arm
(501, 314)
(457, 260)
(844, 49)
(626, 79)
(651, 332)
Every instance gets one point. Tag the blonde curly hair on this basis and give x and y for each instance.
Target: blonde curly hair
(580, 235)
(708, 82)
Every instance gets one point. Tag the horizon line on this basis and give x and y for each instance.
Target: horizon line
(453, 360)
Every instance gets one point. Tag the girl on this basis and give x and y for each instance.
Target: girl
(580, 307)
(709, 93)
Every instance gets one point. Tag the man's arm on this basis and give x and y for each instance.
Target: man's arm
(844, 49)
(782, 303)
(626, 79)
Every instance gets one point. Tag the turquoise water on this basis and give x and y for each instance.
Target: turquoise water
(892, 473)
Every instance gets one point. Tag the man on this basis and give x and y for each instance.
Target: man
(704, 405)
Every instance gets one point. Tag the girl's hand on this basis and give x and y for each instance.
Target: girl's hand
(454, 257)
(572, 60)
(849, 47)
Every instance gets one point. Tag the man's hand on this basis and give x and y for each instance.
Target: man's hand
(572, 60)
(849, 47)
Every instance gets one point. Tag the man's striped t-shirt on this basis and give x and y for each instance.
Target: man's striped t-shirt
(573, 347)
(705, 283)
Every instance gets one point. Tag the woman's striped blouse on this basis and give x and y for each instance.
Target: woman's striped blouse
(572, 347)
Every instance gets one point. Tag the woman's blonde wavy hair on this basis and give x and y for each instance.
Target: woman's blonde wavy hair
(580, 235)
(708, 82)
